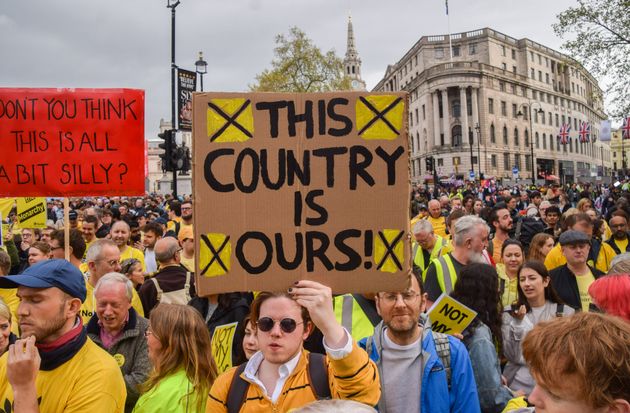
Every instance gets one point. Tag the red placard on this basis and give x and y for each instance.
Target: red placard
(71, 142)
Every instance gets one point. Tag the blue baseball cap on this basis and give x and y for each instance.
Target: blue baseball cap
(47, 274)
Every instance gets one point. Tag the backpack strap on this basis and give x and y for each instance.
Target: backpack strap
(443, 349)
(158, 289)
(318, 376)
(237, 392)
(187, 286)
(559, 310)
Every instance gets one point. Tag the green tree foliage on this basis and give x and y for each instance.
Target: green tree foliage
(300, 66)
(597, 34)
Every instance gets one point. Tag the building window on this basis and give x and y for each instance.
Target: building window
(502, 86)
(544, 139)
(557, 120)
(539, 76)
(493, 138)
(441, 139)
(533, 73)
(517, 161)
(531, 55)
(526, 138)
(439, 53)
(504, 66)
(537, 141)
(505, 135)
(440, 162)
(493, 161)
(456, 109)
(514, 112)
(534, 95)
(491, 106)
(547, 78)
(514, 69)
(551, 142)
(472, 48)
(528, 163)
(506, 161)
(513, 89)
(457, 135)
(502, 50)
(516, 138)
(539, 59)
(455, 50)
(424, 114)
(550, 119)
(513, 54)
(503, 108)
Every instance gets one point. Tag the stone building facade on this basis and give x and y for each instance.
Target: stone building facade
(493, 103)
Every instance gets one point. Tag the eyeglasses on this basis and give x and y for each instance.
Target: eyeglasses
(111, 263)
(287, 325)
(408, 297)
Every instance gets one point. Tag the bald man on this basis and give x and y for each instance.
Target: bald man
(437, 220)
(173, 283)
(120, 234)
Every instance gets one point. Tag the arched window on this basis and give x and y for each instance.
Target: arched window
(493, 138)
(544, 139)
(526, 138)
(538, 141)
(456, 132)
(457, 109)
(516, 139)
(505, 136)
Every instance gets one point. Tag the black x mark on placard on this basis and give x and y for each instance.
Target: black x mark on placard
(390, 250)
(230, 120)
(215, 253)
(379, 115)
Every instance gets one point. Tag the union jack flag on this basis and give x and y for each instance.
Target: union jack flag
(625, 127)
(585, 132)
(564, 133)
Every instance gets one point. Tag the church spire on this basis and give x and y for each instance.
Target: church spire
(352, 63)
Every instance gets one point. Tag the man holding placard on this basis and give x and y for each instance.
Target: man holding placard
(420, 370)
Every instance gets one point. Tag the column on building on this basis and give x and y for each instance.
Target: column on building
(445, 118)
(436, 119)
(475, 121)
(463, 104)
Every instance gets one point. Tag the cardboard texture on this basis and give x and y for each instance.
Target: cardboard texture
(449, 316)
(301, 186)
(71, 142)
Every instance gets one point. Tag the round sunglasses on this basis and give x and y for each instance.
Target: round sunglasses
(287, 325)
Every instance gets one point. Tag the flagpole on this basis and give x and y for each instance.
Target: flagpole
(448, 23)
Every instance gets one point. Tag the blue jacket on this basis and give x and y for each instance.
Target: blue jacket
(435, 396)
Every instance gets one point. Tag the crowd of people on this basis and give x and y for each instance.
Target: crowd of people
(113, 323)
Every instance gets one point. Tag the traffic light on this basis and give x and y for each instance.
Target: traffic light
(429, 163)
(168, 146)
(186, 167)
(177, 158)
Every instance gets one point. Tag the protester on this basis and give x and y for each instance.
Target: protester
(552, 215)
(572, 280)
(55, 367)
(620, 264)
(120, 234)
(619, 239)
(187, 242)
(435, 217)
(356, 313)
(117, 328)
(132, 268)
(283, 323)
(537, 301)
(580, 364)
(477, 288)
(427, 245)
(470, 239)
(88, 229)
(335, 406)
(152, 233)
(512, 256)
(6, 321)
(415, 376)
(103, 257)
(250, 341)
(501, 221)
(39, 251)
(611, 294)
(181, 354)
(540, 246)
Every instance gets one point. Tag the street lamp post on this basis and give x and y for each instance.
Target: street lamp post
(539, 111)
(201, 67)
(470, 143)
(478, 129)
(172, 5)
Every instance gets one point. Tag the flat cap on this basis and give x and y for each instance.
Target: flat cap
(574, 237)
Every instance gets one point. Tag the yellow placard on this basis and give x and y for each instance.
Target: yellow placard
(31, 212)
(222, 341)
(230, 120)
(449, 316)
(379, 117)
(6, 205)
(389, 250)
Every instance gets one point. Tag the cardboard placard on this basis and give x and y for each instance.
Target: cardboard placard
(31, 212)
(222, 342)
(449, 316)
(71, 142)
(301, 186)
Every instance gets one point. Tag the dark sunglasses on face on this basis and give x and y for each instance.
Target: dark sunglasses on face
(287, 325)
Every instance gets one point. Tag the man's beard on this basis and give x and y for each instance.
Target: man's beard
(49, 327)
(476, 257)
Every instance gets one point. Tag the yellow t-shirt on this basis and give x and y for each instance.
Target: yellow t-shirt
(91, 381)
(583, 282)
(510, 289)
(131, 252)
(88, 307)
(622, 244)
(439, 225)
(189, 263)
(10, 298)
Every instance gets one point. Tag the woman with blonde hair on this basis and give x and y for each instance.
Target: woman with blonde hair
(540, 246)
(6, 336)
(183, 368)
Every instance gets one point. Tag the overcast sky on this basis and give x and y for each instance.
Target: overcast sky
(126, 43)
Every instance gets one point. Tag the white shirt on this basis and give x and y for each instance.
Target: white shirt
(285, 370)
